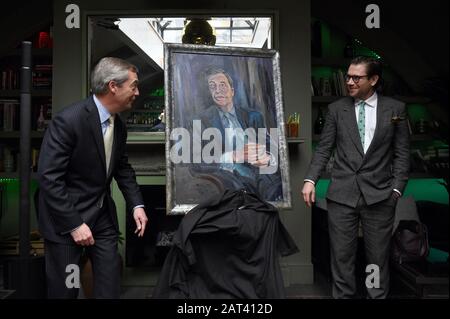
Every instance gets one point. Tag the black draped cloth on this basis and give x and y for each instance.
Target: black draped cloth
(227, 247)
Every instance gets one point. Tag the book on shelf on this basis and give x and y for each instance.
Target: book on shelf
(328, 86)
(315, 86)
(43, 67)
(9, 115)
(342, 83)
(442, 152)
(325, 86)
(335, 84)
(9, 79)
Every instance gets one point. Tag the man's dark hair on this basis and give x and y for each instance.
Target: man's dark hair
(373, 67)
(214, 70)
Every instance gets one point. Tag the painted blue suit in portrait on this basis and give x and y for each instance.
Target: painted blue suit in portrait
(238, 175)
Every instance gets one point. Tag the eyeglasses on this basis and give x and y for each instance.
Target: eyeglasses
(355, 78)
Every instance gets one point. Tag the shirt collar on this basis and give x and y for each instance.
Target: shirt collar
(371, 101)
(232, 111)
(102, 111)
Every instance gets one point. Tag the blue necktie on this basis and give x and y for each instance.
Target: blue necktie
(229, 124)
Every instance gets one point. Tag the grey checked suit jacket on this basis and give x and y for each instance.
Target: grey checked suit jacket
(375, 174)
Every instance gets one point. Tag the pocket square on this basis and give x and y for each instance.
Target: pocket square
(396, 119)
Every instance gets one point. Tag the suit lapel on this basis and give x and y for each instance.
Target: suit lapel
(93, 119)
(216, 122)
(350, 123)
(242, 118)
(383, 120)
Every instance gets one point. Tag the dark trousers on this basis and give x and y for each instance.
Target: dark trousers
(377, 222)
(104, 257)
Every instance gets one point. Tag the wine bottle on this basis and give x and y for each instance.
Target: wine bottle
(319, 123)
(40, 125)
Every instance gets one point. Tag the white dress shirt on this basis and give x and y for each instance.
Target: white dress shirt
(104, 116)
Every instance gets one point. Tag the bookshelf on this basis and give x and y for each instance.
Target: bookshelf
(41, 101)
(16, 134)
(145, 115)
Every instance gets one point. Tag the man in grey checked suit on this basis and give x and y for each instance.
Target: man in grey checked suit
(369, 135)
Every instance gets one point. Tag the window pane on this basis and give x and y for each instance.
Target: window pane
(242, 22)
(220, 22)
(174, 22)
(242, 36)
(222, 36)
(172, 36)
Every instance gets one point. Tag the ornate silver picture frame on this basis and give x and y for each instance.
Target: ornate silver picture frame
(224, 125)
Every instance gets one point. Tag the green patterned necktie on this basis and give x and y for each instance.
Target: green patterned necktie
(362, 121)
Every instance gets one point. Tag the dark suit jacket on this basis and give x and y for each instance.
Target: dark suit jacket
(375, 174)
(246, 117)
(227, 247)
(73, 182)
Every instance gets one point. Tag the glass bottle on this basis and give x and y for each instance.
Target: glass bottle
(319, 123)
(40, 125)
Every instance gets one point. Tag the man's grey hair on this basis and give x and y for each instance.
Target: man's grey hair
(213, 71)
(110, 69)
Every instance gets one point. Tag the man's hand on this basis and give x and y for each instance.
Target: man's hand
(309, 193)
(254, 154)
(395, 195)
(83, 236)
(262, 161)
(141, 221)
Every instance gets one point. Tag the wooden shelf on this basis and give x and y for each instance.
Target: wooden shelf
(295, 140)
(15, 175)
(149, 126)
(331, 62)
(145, 111)
(413, 138)
(35, 52)
(34, 93)
(421, 175)
(325, 99)
(421, 138)
(146, 138)
(412, 99)
(160, 138)
(16, 134)
(412, 175)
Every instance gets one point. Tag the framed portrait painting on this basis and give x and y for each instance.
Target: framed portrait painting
(224, 125)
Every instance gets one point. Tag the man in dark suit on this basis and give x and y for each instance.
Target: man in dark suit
(369, 135)
(82, 150)
(242, 157)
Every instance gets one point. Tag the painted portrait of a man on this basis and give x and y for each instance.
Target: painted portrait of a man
(225, 131)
